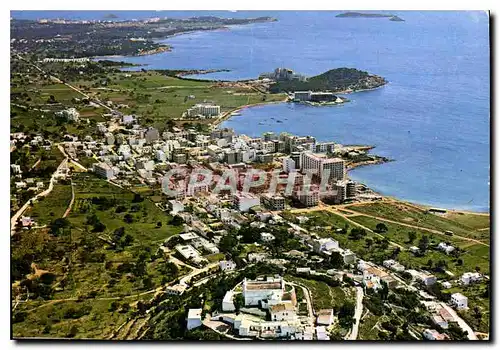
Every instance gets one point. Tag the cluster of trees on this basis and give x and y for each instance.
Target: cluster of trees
(357, 233)
(60, 227)
(120, 239)
(95, 222)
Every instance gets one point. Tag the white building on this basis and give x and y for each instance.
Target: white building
(282, 312)
(267, 237)
(204, 110)
(309, 199)
(128, 119)
(321, 333)
(259, 290)
(445, 247)
(161, 156)
(228, 302)
(324, 317)
(70, 114)
(104, 170)
(187, 251)
(393, 265)
(432, 334)
(459, 300)
(288, 165)
(325, 245)
(272, 202)
(175, 206)
(334, 168)
(437, 319)
(302, 95)
(194, 318)
(446, 285)
(414, 249)
(243, 201)
(16, 169)
(470, 277)
(227, 265)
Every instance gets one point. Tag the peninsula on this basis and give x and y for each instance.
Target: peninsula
(370, 15)
(339, 80)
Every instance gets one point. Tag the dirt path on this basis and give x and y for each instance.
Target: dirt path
(70, 205)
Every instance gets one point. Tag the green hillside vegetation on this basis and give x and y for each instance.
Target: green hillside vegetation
(339, 79)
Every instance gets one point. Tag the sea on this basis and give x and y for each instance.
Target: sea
(432, 118)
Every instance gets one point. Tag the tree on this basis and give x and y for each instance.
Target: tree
(239, 302)
(336, 260)
(381, 228)
(368, 242)
(128, 218)
(477, 313)
(72, 332)
(147, 282)
(429, 263)
(411, 236)
(137, 198)
(59, 226)
(423, 244)
(177, 220)
(395, 252)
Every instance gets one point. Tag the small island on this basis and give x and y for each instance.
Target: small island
(393, 18)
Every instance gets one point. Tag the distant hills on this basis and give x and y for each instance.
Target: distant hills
(334, 80)
(370, 15)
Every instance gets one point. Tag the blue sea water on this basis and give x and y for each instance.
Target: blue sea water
(433, 117)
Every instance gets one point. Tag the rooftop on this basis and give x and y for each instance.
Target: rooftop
(282, 307)
(194, 313)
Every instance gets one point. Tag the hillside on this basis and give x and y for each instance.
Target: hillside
(335, 80)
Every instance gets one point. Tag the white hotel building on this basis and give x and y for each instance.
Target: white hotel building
(204, 109)
(320, 164)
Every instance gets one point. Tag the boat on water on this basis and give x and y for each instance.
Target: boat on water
(279, 121)
(235, 113)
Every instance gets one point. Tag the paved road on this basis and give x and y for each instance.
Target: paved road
(465, 327)
(357, 314)
(307, 295)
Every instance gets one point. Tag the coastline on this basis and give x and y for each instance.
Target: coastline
(168, 48)
(347, 92)
(227, 115)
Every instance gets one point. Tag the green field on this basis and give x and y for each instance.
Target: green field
(411, 215)
(323, 296)
(367, 327)
(399, 233)
(160, 97)
(51, 207)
